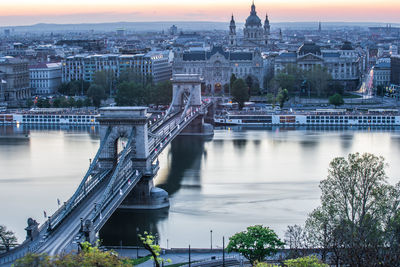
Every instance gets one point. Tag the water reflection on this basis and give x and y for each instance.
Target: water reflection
(184, 158)
(242, 177)
(184, 171)
(123, 226)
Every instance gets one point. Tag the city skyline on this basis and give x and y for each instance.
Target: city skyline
(28, 12)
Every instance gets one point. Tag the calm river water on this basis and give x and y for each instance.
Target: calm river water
(242, 177)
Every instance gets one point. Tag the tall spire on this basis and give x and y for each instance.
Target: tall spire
(253, 8)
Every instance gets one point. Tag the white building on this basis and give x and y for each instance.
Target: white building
(382, 73)
(45, 78)
(82, 67)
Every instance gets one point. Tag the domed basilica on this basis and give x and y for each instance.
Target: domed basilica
(254, 33)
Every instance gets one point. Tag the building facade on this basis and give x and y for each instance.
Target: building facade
(45, 78)
(15, 74)
(83, 67)
(255, 34)
(381, 74)
(395, 70)
(215, 66)
(343, 64)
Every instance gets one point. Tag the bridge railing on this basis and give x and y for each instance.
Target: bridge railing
(110, 187)
(177, 126)
(82, 190)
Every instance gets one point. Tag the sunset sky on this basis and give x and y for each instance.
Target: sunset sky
(26, 12)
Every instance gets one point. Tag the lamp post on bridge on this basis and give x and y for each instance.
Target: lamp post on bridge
(211, 239)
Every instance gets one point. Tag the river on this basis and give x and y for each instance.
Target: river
(239, 178)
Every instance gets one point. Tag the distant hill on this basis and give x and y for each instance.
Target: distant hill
(182, 25)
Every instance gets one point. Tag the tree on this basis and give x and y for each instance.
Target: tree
(7, 239)
(43, 103)
(148, 241)
(57, 102)
(71, 102)
(232, 79)
(29, 103)
(310, 261)
(240, 92)
(127, 94)
(163, 93)
(285, 80)
(89, 256)
(255, 244)
(104, 79)
(380, 90)
(336, 100)
(296, 239)
(96, 94)
(319, 79)
(87, 102)
(249, 81)
(79, 103)
(282, 97)
(270, 99)
(357, 206)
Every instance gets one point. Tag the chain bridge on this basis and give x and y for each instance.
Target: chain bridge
(119, 179)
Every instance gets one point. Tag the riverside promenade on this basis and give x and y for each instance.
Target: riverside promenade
(198, 257)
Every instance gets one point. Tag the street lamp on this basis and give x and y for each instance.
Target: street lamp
(137, 242)
(211, 238)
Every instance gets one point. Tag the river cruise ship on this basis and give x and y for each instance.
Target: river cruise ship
(50, 116)
(328, 117)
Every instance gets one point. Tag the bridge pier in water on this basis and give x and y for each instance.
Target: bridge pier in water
(125, 121)
(187, 93)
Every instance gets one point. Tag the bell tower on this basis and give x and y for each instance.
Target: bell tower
(232, 32)
(267, 29)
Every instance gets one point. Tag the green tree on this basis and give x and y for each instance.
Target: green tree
(127, 94)
(79, 103)
(87, 102)
(249, 81)
(163, 93)
(71, 102)
(96, 94)
(380, 90)
(105, 79)
(148, 241)
(255, 244)
(270, 99)
(43, 103)
(310, 261)
(336, 100)
(357, 206)
(74, 88)
(282, 97)
(88, 257)
(29, 103)
(319, 79)
(64, 102)
(285, 80)
(7, 239)
(240, 92)
(57, 102)
(232, 79)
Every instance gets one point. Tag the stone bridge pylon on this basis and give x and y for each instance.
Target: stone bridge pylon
(124, 123)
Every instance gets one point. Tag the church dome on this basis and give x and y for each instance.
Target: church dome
(253, 19)
(309, 47)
